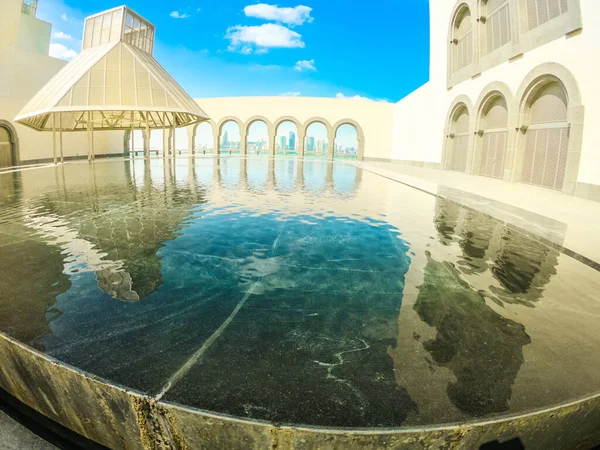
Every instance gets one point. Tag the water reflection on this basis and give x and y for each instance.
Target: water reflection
(357, 302)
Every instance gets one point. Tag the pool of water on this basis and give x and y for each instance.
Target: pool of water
(294, 292)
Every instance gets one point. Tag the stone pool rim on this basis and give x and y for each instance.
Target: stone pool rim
(548, 420)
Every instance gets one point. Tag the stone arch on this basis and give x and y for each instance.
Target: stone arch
(321, 120)
(14, 140)
(287, 119)
(460, 103)
(299, 133)
(194, 131)
(360, 135)
(494, 146)
(328, 127)
(226, 119)
(220, 125)
(488, 93)
(461, 8)
(253, 119)
(246, 131)
(534, 82)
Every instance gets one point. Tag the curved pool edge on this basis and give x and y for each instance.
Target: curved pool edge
(118, 417)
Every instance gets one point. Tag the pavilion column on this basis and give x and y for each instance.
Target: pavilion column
(60, 134)
(272, 139)
(300, 140)
(190, 133)
(173, 132)
(330, 146)
(89, 137)
(165, 145)
(243, 143)
(92, 137)
(217, 145)
(147, 138)
(132, 153)
(54, 137)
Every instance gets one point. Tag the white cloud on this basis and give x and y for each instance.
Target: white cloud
(290, 94)
(178, 15)
(355, 97)
(62, 36)
(301, 66)
(289, 16)
(64, 17)
(269, 35)
(61, 52)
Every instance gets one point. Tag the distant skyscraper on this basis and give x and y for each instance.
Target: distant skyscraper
(310, 145)
(282, 142)
(292, 140)
(225, 141)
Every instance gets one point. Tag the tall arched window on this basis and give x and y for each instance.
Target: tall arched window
(460, 139)
(6, 148)
(496, 19)
(495, 138)
(541, 11)
(462, 40)
(547, 138)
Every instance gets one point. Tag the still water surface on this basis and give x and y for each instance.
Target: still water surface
(295, 292)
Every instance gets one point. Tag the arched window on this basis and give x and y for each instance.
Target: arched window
(462, 40)
(496, 19)
(495, 137)
(257, 141)
(6, 148)
(286, 136)
(203, 140)
(542, 11)
(229, 140)
(346, 142)
(547, 138)
(459, 130)
(317, 144)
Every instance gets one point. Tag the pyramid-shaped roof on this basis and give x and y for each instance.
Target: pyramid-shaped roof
(115, 79)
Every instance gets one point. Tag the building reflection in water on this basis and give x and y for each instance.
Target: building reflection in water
(112, 220)
(482, 348)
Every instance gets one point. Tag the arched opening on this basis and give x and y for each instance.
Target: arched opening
(204, 142)
(496, 23)
(257, 140)
(462, 40)
(547, 137)
(286, 136)
(317, 144)
(7, 148)
(346, 142)
(494, 121)
(459, 134)
(229, 138)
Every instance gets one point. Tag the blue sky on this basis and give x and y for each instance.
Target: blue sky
(323, 48)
